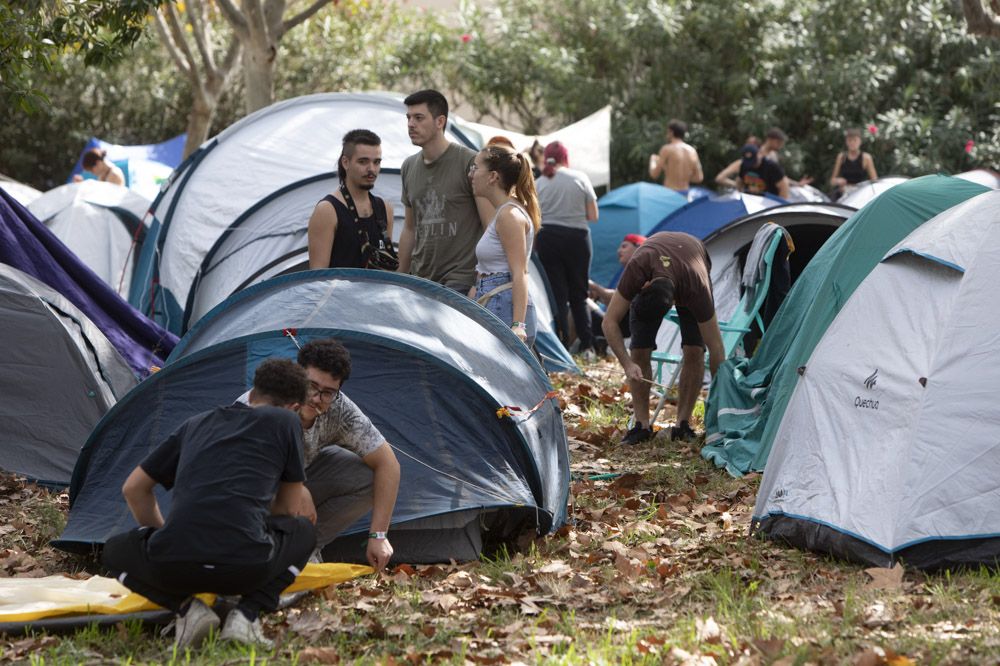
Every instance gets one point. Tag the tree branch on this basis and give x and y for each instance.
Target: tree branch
(980, 20)
(200, 28)
(235, 18)
(306, 13)
(169, 37)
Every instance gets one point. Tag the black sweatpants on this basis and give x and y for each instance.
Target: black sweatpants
(170, 584)
(565, 254)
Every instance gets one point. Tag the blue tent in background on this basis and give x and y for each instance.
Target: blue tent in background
(26, 244)
(429, 367)
(705, 215)
(146, 167)
(631, 209)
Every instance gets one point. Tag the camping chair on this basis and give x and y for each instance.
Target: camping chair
(746, 313)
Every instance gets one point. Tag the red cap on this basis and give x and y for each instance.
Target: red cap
(635, 239)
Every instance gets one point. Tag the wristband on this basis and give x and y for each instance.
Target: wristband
(518, 324)
(377, 535)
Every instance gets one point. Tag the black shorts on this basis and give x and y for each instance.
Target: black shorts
(644, 330)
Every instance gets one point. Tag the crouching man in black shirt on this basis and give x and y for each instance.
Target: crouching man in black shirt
(236, 473)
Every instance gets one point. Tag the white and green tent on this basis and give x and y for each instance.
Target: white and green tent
(889, 447)
(748, 398)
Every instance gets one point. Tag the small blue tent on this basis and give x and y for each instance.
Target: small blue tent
(631, 209)
(429, 367)
(703, 216)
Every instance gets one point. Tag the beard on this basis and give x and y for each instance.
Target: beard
(366, 186)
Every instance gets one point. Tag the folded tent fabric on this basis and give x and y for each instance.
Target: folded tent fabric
(26, 244)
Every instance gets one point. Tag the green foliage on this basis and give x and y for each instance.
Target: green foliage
(732, 68)
(33, 33)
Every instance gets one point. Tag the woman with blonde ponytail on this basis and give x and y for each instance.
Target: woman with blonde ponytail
(568, 205)
(503, 176)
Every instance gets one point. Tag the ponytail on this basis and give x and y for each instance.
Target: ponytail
(516, 178)
(524, 191)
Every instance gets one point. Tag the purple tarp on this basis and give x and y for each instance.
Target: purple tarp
(29, 246)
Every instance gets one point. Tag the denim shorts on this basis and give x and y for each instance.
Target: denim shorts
(502, 304)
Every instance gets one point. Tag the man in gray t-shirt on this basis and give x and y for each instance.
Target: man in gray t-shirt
(443, 220)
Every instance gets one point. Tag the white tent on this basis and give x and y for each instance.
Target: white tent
(890, 445)
(24, 194)
(809, 224)
(100, 222)
(286, 146)
(864, 192)
(588, 142)
(985, 177)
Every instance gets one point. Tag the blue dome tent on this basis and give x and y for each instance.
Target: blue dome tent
(630, 209)
(430, 368)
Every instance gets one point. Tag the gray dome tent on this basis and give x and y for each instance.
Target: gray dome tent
(429, 369)
(101, 223)
(54, 358)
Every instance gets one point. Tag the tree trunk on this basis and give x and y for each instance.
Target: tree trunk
(258, 71)
(199, 122)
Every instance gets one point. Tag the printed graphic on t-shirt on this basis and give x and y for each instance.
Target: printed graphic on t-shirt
(665, 261)
(430, 216)
(754, 183)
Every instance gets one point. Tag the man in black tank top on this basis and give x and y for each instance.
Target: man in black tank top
(349, 225)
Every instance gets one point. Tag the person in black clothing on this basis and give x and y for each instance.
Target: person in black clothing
(852, 166)
(349, 226)
(237, 524)
(759, 175)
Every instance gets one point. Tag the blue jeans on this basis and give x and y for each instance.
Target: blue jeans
(502, 304)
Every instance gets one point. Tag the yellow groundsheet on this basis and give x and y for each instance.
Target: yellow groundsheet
(26, 599)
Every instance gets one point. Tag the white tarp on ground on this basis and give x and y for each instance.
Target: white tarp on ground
(892, 434)
(252, 160)
(588, 142)
(99, 223)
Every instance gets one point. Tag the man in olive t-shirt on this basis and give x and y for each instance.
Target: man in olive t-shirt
(670, 268)
(443, 220)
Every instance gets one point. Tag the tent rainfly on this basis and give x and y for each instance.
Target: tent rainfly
(749, 397)
(889, 448)
(58, 377)
(101, 223)
(26, 244)
(431, 372)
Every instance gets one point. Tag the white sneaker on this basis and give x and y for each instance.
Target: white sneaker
(239, 628)
(195, 626)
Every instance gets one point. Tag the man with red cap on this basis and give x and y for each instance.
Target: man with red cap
(670, 268)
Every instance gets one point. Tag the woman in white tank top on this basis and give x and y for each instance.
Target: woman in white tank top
(503, 176)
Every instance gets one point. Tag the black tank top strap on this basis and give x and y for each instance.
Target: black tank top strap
(379, 211)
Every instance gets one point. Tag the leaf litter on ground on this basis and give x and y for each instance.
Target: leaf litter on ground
(655, 565)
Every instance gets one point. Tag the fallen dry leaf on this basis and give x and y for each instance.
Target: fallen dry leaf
(708, 630)
(885, 579)
(319, 655)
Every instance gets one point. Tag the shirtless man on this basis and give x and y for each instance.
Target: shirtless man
(677, 161)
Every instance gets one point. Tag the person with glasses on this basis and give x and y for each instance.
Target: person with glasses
(350, 467)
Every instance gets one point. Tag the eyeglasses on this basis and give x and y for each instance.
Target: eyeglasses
(326, 395)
